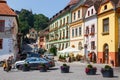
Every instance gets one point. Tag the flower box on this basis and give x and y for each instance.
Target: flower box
(90, 70)
(65, 68)
(107, 71)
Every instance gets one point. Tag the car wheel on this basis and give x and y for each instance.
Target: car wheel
(19, 67)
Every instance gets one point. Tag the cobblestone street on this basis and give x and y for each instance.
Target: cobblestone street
(77, 72)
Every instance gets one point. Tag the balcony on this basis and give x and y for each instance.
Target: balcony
(86, 35)
(92, 33)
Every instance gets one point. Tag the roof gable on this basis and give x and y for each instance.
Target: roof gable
(105, 6)
(5, 9)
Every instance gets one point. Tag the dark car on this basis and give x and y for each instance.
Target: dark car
(33, 62)
(51, 62)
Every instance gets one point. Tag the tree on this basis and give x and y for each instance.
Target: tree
(53, 50)
(29, 20)
(40, 21)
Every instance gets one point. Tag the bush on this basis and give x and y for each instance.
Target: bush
(107, 67)
(89, 66)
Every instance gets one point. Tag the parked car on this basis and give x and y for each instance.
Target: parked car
(51, 62)
(50, 56)
(33, 62)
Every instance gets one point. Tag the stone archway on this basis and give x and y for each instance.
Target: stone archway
(106, 53)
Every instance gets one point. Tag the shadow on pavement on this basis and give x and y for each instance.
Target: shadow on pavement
(53, 68)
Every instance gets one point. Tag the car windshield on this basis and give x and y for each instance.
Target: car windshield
(34, 59)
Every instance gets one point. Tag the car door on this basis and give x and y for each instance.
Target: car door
(32, 63)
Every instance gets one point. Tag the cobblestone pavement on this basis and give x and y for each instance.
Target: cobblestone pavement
(76, 73)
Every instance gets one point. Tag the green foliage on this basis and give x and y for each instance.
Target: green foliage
(64, 64)
(107, 67)
(60, 56)
(53, 50)
(89, 66)
(29, 20)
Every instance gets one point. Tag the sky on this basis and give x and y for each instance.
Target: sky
(47, 7)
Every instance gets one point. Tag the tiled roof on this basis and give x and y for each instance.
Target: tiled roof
(89, 3)
(5, 9)
(97, 4)
(118, 4)
(113, 1)
(72, 2)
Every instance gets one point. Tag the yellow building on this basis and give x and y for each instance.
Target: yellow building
(108, 27)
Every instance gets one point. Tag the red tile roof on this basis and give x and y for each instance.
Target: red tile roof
(72, 2)
(5, 9)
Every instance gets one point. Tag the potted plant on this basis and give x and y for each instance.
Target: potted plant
(64, 68)
(26, 67)
(90, 70)
(107, 71)
(42, 67)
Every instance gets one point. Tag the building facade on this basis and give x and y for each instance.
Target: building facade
(108, 31)
(59, 34)
(90, 30)
(77, 26)
(43, 38)
(8, 31)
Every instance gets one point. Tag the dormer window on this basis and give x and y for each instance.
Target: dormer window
(91, 11)
(74, 16)
(105, 7)
(88, 13)
(78, 13)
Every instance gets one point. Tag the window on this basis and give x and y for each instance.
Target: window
(63, 33)
(57, 23)
(74, 16)
(2, 25)
(1, 43)
(87, 30)
(106, 25)
(105, 7)
(60, 34)
(59, 46)
(93, 29)
(66, 45)
(67, 32)
(92, 11)
(78, 13)
(79, 45)
(76, 31)
(67, 19)
(93, 45)
(72, 32)
(80, 32)
(64, 21)
(60, 22)
(63, 46)
(88, 13)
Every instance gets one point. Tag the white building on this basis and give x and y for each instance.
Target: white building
(90, 30)
(8, 31)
